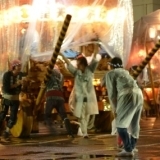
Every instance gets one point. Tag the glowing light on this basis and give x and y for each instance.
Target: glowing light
(149, 90)
(25, 11)
(152, 32)
(82, 13)
(6, 18)
(153, 66)
(142, 53)
(115, 13)
(38, 10)
(73, 10)
(96, 82)
(97, 12)
(111, 16)
(16, 14)
(56, 12)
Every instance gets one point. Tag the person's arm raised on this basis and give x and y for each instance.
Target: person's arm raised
(65, 59)
(96, 50)
(70, 67)
(94, 63)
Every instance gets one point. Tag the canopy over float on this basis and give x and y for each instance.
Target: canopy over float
(146, 34)
(32, 31)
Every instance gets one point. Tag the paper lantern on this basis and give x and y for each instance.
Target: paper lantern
(152, 32)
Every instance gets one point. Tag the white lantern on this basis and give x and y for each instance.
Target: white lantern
(152, 32)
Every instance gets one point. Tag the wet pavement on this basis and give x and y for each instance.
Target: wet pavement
(44, 146)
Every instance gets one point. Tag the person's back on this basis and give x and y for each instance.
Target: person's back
(126, 100)
(55, 99)
(123, 79)
(55, 85)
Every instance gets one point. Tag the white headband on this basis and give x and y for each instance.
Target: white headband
(115, 65)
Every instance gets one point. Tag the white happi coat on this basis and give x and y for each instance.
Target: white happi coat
(83, 87)
(125, 98)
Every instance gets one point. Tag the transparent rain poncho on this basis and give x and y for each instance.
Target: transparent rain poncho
(109, 21)
(125, 98)
(146, 34)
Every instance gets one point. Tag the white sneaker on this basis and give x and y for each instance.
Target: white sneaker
(121, 147)
(80, 132)
(124, 153)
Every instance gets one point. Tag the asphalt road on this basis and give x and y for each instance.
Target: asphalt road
(47, 146)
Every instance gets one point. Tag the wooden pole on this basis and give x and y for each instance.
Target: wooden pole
(53, 59)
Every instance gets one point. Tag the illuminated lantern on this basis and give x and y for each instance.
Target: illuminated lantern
(25, 11)
(152, 66)
(103, 14)
(82, 14)
(94, 82)
(98, 81)
(152, 33)
(57, 12)
(142, 53)
(110, 17)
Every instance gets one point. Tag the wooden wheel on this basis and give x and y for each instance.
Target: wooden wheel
(23, 126)
(16, 130)
(24, 123)
(27, 122)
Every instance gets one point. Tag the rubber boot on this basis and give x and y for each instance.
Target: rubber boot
(68, 127)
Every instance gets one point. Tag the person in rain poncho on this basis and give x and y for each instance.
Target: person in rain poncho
(83, 98)
(114, 129)
(32, 41)
(126, 100)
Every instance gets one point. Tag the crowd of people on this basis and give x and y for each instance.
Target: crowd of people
(124, 95)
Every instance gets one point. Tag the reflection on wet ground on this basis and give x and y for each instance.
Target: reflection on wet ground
(44, 146)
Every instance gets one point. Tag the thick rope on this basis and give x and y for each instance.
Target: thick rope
(146, 60)
(54, 57)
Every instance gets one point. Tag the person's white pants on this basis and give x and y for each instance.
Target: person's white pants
(84, 120)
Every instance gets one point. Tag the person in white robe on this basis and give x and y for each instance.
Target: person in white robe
(126, 100)
(83, 100)
(28, 39)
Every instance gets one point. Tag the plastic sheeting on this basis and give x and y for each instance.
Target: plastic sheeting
(109, 21)
(146, 33)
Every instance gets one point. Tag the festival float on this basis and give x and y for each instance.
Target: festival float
(146, 34)
(36, 31)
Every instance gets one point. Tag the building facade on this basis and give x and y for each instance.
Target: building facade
(144, 7)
